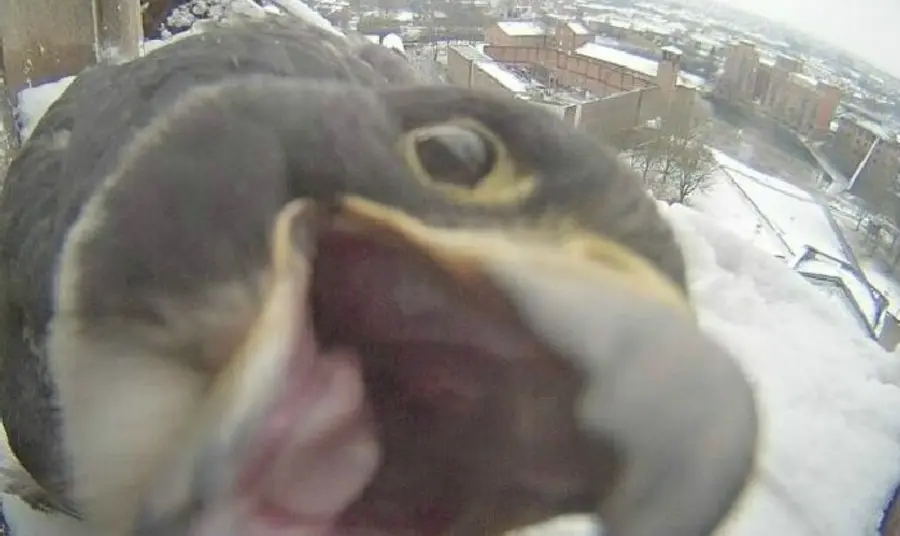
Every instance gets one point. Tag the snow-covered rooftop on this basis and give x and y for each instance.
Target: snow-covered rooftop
(654, 28)
(708, 41)
(616, 23)
(673, 50)
(691, 80)
(804, 80)
(615, 56)
(470, 53)
(508, 79)
(522, 28)
(403, 15)
(578, 28)
(876, 129)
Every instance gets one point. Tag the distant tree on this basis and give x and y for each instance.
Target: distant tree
(646, 156)
(692, 170)
(674, 163)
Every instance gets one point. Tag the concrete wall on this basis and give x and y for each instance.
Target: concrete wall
(483, 80)
(610, 117)
(44, 40)
(459, 68)
(684, 109)
(463, 70)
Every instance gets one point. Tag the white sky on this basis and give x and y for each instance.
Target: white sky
(868, 28)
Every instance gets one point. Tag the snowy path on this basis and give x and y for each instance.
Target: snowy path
(799, 218)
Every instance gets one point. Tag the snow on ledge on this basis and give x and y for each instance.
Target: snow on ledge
(394, 42)
(829, 399)
(33, 103)
(298, 8)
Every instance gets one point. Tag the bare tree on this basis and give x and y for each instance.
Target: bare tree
(647, 155)
(694, 165)
(675, 163)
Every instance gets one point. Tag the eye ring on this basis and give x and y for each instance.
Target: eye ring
(455, 148)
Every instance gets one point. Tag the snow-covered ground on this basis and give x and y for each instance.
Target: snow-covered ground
(784, 220)
(793, 213)
(733, 210)
(829, 397)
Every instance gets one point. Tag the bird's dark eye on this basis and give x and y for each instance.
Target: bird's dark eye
(467, 162)
(455, 155)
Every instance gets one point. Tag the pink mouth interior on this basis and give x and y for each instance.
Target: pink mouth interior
(397, 421)
(317, 449)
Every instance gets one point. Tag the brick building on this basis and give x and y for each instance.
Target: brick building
(517, 33)
(738, 81)
(606, 117)
(568, 57)
(571, 35)
(870, 156)
(619, 91)
(778, 89)
(762, 80)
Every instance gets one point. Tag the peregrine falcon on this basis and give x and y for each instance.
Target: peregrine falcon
(263, 281)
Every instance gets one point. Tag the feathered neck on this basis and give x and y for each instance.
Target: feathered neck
(23, 520)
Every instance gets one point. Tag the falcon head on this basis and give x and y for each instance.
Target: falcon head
(302, 308)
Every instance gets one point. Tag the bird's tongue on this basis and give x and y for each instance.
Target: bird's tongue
(314, 451)
(306, 456)
(314, 448)
(285, 441)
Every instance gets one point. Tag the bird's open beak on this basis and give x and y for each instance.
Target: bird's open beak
(403, 380)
